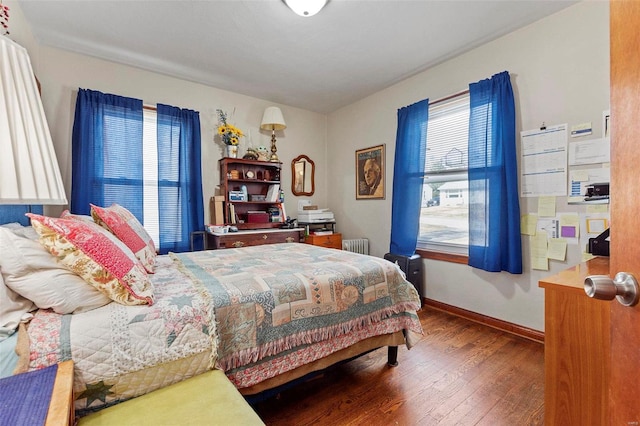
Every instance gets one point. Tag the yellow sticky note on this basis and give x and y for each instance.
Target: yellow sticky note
(539, 259)
(597, 208)
(528, 224)
(546, 206)
(557, 249)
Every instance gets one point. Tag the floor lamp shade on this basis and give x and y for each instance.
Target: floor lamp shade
(29, 171)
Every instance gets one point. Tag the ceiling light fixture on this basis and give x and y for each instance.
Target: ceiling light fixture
(305, 8)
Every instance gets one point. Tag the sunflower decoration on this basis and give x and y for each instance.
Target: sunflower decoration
(229, 133)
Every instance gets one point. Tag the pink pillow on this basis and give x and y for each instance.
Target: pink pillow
(68, 215)
(97, 256)
(124, 225)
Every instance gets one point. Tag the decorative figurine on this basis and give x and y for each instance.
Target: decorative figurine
(263, 153)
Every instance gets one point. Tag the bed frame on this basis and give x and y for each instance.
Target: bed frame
(277, 384)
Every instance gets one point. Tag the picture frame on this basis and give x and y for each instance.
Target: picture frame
(370, 173)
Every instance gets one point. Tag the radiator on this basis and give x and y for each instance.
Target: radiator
(358, 245)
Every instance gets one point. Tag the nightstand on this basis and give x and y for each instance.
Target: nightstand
(39, 397)
(329, 241)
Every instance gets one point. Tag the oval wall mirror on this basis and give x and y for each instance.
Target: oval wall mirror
(302, 171)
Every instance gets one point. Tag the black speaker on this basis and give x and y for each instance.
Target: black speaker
(412, 267)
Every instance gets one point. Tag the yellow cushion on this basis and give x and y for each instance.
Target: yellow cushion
(206, 399)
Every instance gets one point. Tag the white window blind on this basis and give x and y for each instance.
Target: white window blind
(150, 173)
(444, 223)
(447, 136)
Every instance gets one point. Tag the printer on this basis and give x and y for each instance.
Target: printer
(308, 213)
(311, 216)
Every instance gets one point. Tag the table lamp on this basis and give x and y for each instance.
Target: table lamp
(273, 120)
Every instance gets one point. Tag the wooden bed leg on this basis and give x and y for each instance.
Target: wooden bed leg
(392, 356)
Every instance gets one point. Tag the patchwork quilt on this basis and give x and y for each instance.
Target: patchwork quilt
(254, 312)
(121, 352)
(281, 305)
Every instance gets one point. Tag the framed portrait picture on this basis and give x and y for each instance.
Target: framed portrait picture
(370, 173)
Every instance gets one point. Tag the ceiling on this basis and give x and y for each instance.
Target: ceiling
(260, 48)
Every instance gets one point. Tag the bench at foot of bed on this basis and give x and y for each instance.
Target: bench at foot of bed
(208, 398)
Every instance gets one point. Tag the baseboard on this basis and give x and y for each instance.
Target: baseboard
(518, 330)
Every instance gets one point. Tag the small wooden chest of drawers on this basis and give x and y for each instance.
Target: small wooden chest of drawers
(330, 241)
(254, 238)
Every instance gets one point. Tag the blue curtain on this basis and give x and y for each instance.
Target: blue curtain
(179, 177)
(408, 176)
(107, 153)
(494, 210)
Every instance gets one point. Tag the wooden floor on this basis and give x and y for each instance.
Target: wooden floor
(460, 373)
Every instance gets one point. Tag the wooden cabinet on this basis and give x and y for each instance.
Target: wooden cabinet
(576, 348)
(254, 238)
(258, 177)
(330, 241)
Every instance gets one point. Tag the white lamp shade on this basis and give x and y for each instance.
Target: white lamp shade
(273, 119)
(306, 8)
(29, 172)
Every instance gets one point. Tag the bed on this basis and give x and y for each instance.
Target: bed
(265, 315)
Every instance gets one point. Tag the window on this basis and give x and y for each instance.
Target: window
(150, 174)
(117, 159)
(119, 179)
(444, 216)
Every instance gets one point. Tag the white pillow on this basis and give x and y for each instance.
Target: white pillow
(23, 231)
(31, 271)
(13, 309)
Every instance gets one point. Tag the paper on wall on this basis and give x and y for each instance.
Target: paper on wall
(589, 152)
(557, 249)
(546, 206)
(570, 227)
(528, 224)
(580, 179)
(549, 226)
(544, 161)
(539, 259)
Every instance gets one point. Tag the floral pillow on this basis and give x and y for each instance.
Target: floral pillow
(124, 225)
(97, 256)
(68, 215)
(32, 272)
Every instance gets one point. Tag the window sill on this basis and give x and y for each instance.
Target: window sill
(445, 257)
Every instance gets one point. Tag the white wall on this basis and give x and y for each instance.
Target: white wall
(61, 73)
(560, 73)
